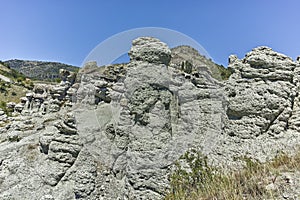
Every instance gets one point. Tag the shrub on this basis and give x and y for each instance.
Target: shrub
(57, 80)
(20, 79)
(200, 181)
(3, 105)
(187, 67)
(224, 72)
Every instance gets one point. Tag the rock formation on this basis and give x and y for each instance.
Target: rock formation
(115, 132)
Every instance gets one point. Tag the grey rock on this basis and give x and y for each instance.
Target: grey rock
(85, 178)
(47, 197)
(19, 107)
(151, 50)
(5, 79)
(60, 149)
(14, 136)
(11, 105)
(3, 116)
(260, 94)
(23, 100)
(118, 130)
(66, 75)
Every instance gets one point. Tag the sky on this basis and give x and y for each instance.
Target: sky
(68, 30)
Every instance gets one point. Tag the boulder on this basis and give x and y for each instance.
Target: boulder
(150, 50)
(19, 107)
(11, 105)
(260, 93)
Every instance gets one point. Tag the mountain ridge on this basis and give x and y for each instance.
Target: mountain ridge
(39, 70)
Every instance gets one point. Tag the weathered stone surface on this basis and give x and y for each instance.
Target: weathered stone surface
(151, 50)
(118, 130)
(261, 93)
(67, 76)
(60, 148)
(11, 105)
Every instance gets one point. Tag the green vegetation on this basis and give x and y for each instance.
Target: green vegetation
(4, 108)
(187, 67)
(201, 181)
(57, 80)
(39, 70)
(17, 88)
(3, 87)
(224, 72)
(183, 53)
(4, 64)
(13, 74)
(13, 92)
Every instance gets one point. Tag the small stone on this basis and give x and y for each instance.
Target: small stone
(288, 178)
(271, 187)
(124, 102)
(29, 95)
(14, 136)
(48, 197)
(19, 107)
(23, 100)
(285, 195)
(11, 105)
(100, 83)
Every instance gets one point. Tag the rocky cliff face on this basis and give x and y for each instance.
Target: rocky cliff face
(116, 131)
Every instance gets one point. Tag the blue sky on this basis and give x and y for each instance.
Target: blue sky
(67, 30)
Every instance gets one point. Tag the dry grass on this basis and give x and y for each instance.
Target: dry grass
(13, 93)
(204, 182)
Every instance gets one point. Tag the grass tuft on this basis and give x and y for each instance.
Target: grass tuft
(194, 179)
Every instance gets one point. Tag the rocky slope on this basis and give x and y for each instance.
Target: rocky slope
(13, 85)
(116, 131)
(188, 58)
(38, 69)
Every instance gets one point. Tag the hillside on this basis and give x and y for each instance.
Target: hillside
(185, 55)
(13, 85)
(39, 70)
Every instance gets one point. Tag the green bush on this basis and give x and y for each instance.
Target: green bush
(3, 88)
(187, 67)
(57, 80)
(225, 72)
(195, 177)
(198, 180)
(3, 106)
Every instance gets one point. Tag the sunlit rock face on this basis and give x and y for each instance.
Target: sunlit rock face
(150, 50)
(115, 132)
